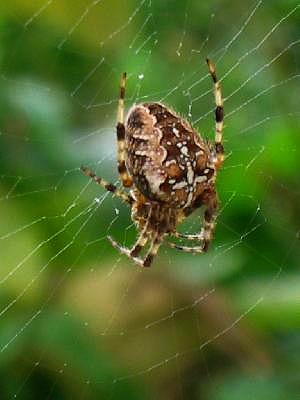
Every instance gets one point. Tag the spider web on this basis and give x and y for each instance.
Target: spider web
(78, 319)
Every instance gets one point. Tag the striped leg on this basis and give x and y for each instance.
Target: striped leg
(108, 186)
(210, 216)
(125, 178)
(219, 113)
(155, 245)
(142, 240)
(196, 236)
(187, 249)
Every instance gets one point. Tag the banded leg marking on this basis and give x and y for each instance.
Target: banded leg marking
(196, 236)
(187, 249)
(155, 245)
(142, 239)
(125, 178)
(219, 114)
(106, 185)
(210, 216)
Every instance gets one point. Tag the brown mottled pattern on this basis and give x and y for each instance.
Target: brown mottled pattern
(165, 156)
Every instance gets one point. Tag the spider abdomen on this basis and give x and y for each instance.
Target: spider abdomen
(167, 160)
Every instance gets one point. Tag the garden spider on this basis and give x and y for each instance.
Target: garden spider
(171, 171)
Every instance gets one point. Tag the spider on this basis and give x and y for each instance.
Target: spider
(171, 171)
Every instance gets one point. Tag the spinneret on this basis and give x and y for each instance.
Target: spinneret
(171, 171)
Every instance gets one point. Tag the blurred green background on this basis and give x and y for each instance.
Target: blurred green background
(77, 320)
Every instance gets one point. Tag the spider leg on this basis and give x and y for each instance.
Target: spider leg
(197, 236)
(138, 246)
(155, 245)
(125, 178)
(108, 186)
(219, 115)
(142, 240)
(210, 216)
(126, 251)
(187, 249)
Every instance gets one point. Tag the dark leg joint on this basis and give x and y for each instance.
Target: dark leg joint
(219, 148)
(212, 71)
(205, 245)
(90, 173)
(110, 187)
(208, 214)
(122, 92)
(148, 260)
(122, 168)
(219, 114)
(136, 250)
(120, 131)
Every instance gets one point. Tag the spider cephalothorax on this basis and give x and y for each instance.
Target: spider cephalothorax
(171, 170)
